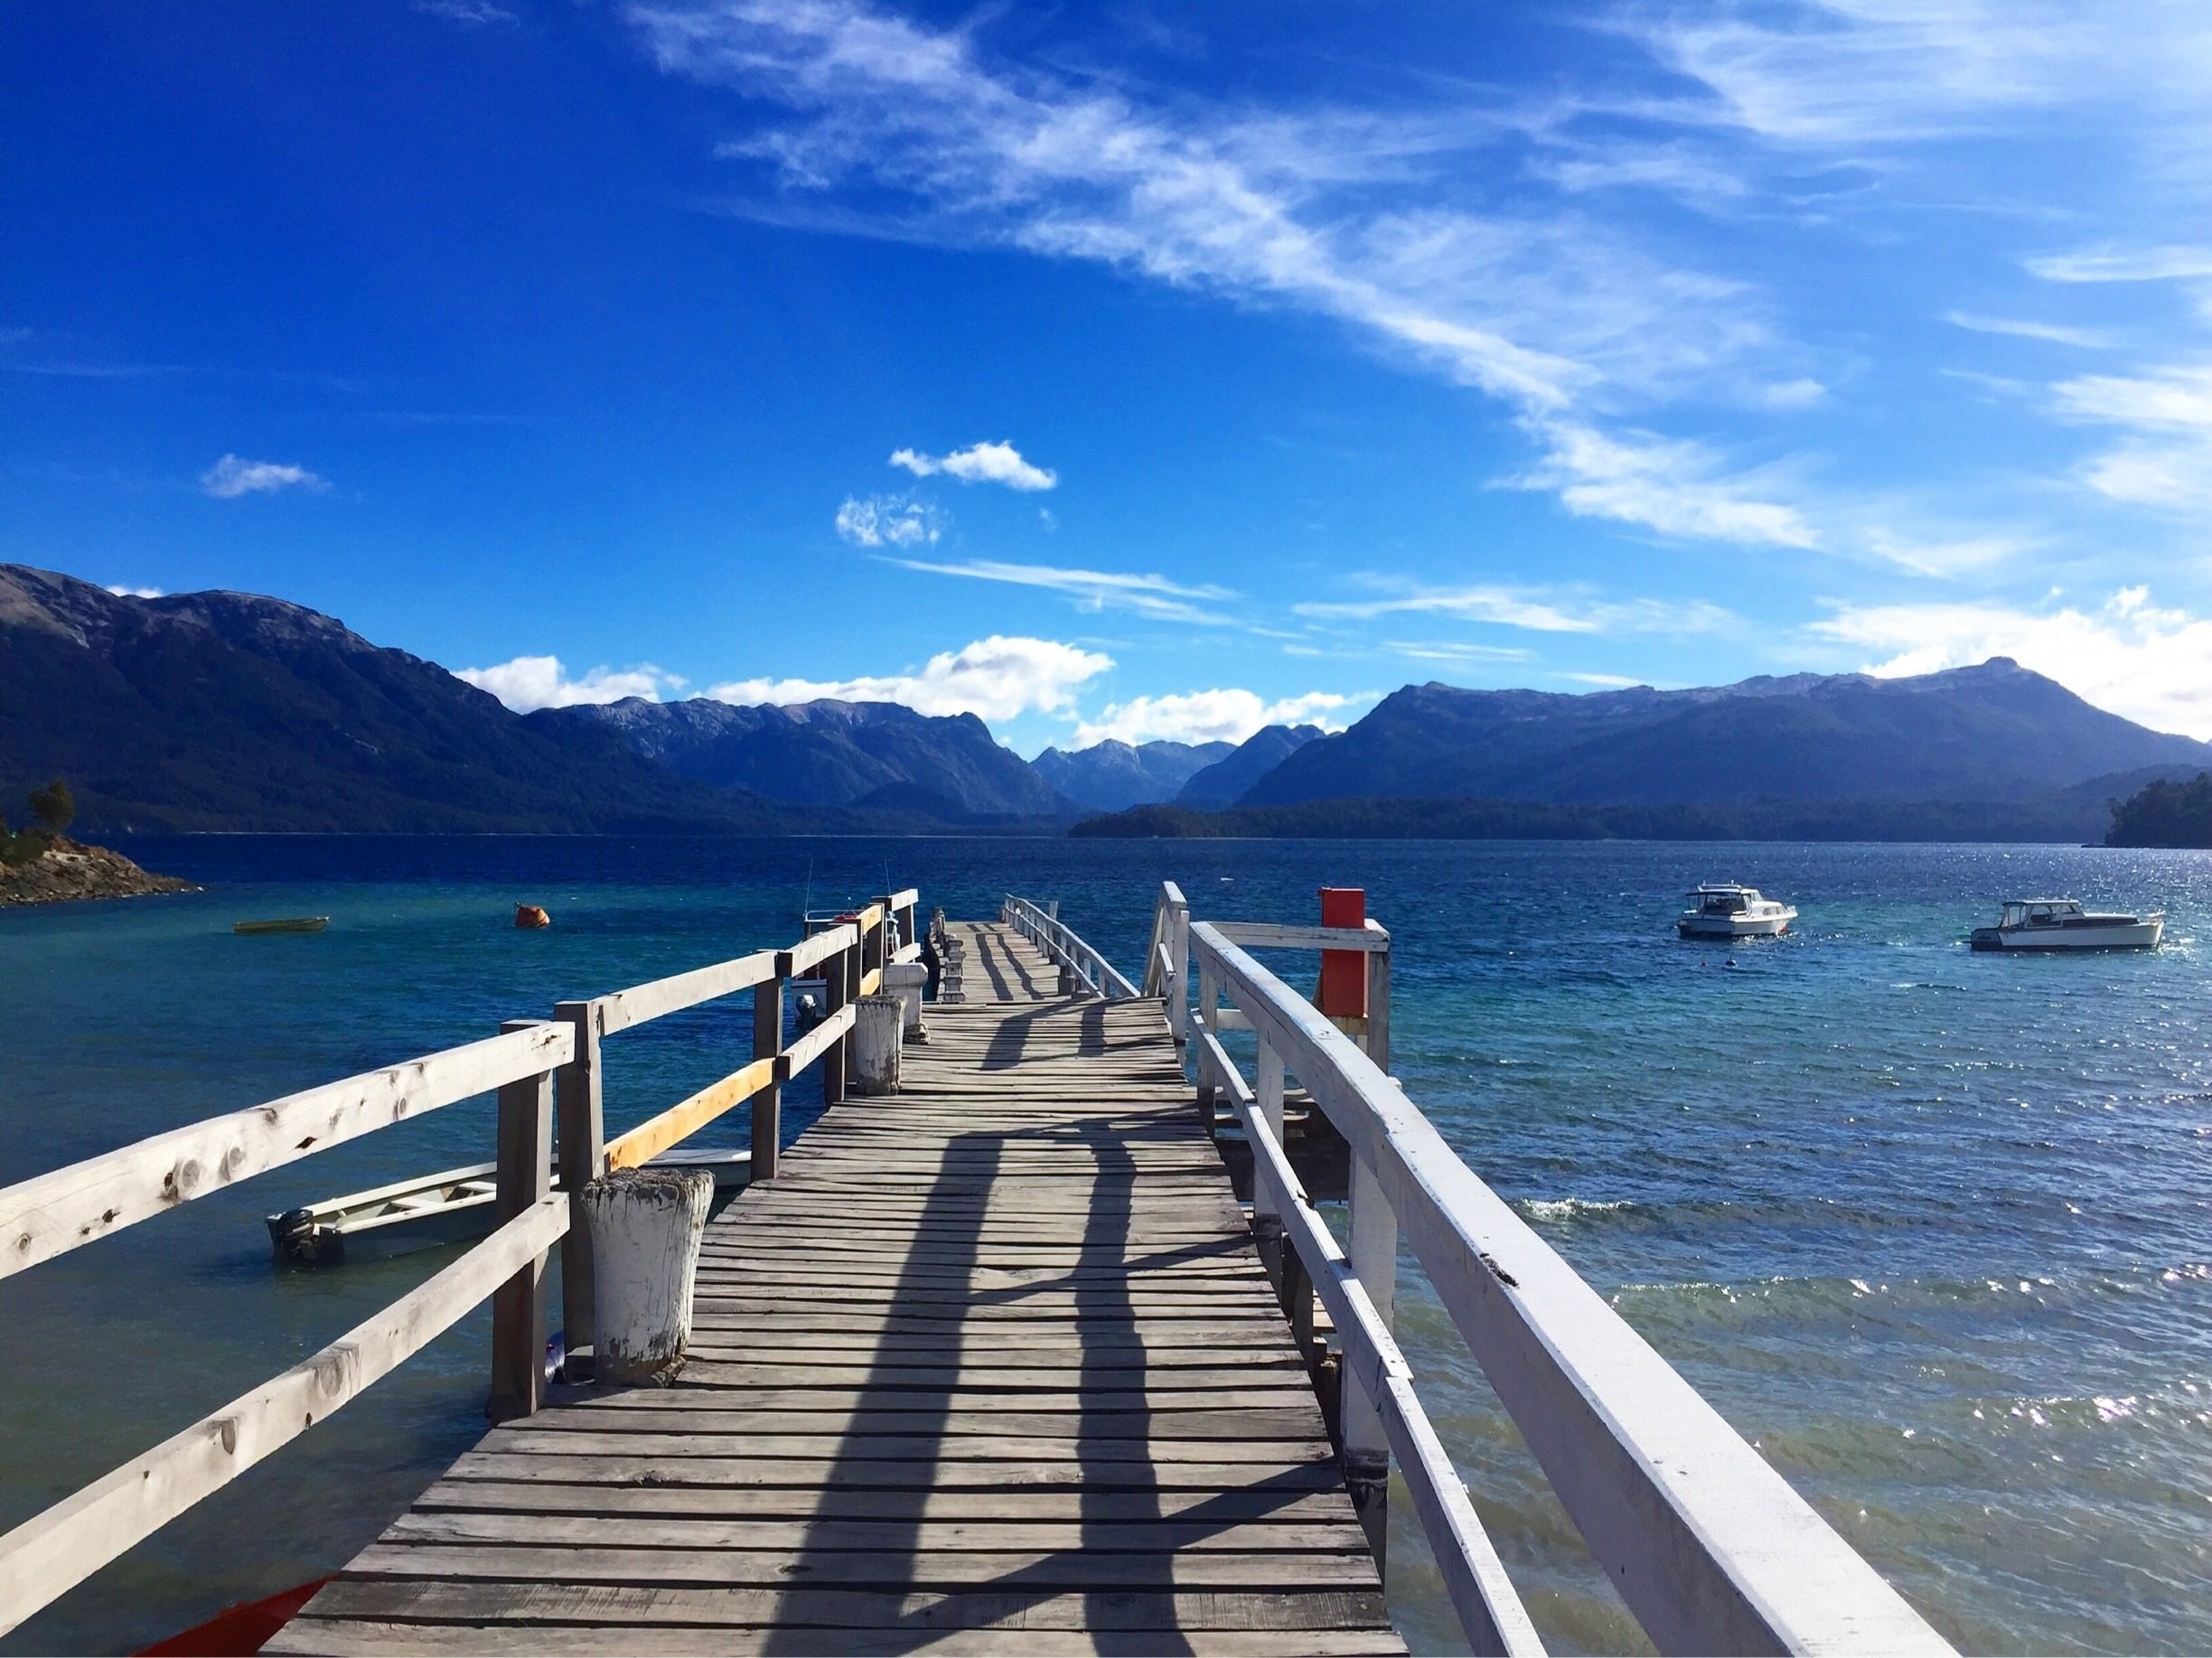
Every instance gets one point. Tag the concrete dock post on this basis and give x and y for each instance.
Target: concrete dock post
(880, 1023)
(645, 1229)
(906, 980)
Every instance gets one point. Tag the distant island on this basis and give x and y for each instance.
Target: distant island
(40, 865)
(2165, 812)
(236, 712)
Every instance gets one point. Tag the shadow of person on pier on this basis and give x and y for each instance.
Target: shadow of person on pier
(1020, 1487)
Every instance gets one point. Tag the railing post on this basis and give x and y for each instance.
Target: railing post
(1373, 1260)
(583, 1159)
(525, 1178)
(1209, 1014)
(767, 1104)
(836, 992)
(1378, 1004)
(1267, 1220)
(1178, 974)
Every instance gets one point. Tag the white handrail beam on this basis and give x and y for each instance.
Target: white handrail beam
(1712, 1549)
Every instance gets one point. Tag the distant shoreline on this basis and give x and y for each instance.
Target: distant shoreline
(69, 872)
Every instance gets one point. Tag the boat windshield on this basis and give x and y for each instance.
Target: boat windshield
(1722, 903)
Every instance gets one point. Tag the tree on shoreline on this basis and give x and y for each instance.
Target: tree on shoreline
(53, 808)
(2165, 814)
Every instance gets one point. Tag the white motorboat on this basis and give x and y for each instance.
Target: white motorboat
(1723, 910)
(2061, 923)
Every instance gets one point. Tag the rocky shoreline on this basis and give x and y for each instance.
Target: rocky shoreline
(67, 870)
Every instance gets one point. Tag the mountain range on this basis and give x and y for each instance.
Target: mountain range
(231, 711)
(1992, 732)
(870, 756)
(1112, 775)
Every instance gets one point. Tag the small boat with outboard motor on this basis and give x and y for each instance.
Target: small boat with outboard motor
(283, 923)
(2062, 923)
(454, 1205)
(1724, 910)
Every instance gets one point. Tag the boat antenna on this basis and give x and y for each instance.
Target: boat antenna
(807, 907)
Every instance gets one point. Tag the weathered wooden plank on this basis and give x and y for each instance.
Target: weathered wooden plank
(626, 1440)
(654, 1136)
(879, 1536)
(1063, 1506)
(51, 1214)
(367, 1635)
(814, 1045)
(662, 997)
(1101, 1473)
(767, 1568)
(656, 1607)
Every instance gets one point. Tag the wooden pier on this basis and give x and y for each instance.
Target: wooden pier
(991, 1365)
(990, 1359)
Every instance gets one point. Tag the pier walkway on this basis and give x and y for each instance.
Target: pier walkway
(991, 1365)
(991, 1359)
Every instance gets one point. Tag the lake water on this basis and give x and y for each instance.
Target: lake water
(1932, 1230)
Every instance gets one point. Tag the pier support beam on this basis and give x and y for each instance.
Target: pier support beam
(583, 1159)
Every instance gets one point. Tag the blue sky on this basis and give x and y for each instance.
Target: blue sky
(1135, 371)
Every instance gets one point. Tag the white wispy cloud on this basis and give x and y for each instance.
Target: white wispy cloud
(2108, 264)
(1221, 716)
(1542, 610)
(1455, 652)
(2166, 461)
(233, 477)
(978, 464)
(469, 13)
(1677, 487)
(2151, 664)
(997, 679)
(136, 593)
(1155, 597)
(1869, 75)
(2087, 339)
(525, 683)
(883, 520)
(1542, 309)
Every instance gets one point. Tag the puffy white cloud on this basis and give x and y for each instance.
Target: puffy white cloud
(978, 464)
(2153, 665)
(233, 477)
(1209, 717)
(998, 677)
(529, 682)
(1148, 596)
(887, 521)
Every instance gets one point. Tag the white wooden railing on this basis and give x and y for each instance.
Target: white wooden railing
(1063, 949)
(51, 1214)
(1709, 1547)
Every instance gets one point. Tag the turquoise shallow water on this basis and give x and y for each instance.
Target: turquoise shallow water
(1933, 1230)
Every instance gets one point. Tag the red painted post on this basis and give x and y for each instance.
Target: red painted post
(1344, 972)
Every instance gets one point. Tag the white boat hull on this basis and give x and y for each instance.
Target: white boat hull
(1735, 926)
(2131, 935)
